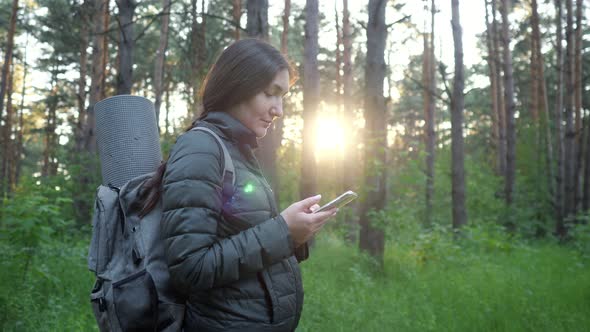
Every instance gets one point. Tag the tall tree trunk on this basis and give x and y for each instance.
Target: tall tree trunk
(457, 105)
(19, 141)
(351, 167)
(257, 25)
(491, 59)
(79, 130)
(339, 169)
(19, 133)
(578, 91)
(4, 83)
(338, 63)
(8, 53)
(126, 46)
(501, 157)
(285, 33)
(99, 55)
(198, 53)
(100, 15)
(269, 154)
(371, 236)
(586, 191)
(105, 58)
(534, 105)
(509, 102)
(237, 15)
(161, 59)
(7, 143)
(570, 131)
(50, 126)
(541, 93)
(311, 91)
(429, 92)
(559, 175)
(167, 98)
(311, 98)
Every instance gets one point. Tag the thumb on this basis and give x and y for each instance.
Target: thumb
(310, 201)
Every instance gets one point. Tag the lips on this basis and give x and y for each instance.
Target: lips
(267, 123)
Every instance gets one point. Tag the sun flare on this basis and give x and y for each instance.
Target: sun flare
(330, 135)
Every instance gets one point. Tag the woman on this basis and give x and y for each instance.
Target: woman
(235, 258)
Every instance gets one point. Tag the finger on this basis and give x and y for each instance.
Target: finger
(324, 215)
(320, 224)
(310, 201)
(314, 207)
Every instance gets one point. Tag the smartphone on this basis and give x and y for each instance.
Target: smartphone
(339, 201)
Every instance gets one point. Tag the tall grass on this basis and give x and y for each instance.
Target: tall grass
(534, 287)
(434, 283)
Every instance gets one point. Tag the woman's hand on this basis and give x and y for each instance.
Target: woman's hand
(302, 223)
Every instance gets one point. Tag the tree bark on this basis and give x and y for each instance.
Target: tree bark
(311, 97)
(100, 16)
(559, 175)
(5, 84)
(338, 63)
(161, 59)
(257, 26)
(491, 59)
(510, 107)
(351, 167)
(49, 166)
(586, 191)
(501, 156)
(285, 33)
(79, 130)
(237, 15)
(7, 143)
(8, 53)
(429, 92)
(578, 91)
(20, 131)
(570, 131)
(99, 55)
(126, 46)
(457, 105)
(371, 237)
(541, 93)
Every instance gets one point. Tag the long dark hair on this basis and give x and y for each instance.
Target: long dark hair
(241, 71)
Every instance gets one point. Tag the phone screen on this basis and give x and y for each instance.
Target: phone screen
(339, 201)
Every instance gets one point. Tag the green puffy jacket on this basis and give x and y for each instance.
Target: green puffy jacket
(234, 260)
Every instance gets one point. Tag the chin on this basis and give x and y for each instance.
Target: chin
(261, 133)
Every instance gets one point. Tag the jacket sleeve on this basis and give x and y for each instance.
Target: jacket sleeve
(198, 259)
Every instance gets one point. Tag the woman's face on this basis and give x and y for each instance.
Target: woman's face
(258, 112)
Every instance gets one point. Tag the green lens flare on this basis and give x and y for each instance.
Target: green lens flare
(249, 188)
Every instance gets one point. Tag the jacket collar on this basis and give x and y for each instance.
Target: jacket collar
(231, 128)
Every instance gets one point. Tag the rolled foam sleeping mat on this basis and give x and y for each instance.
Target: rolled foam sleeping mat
(127, 138)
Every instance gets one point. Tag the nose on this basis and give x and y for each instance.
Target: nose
(277, 109)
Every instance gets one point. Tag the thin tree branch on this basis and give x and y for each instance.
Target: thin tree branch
(430, 92)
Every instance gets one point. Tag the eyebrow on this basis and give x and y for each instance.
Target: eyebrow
(276, 87)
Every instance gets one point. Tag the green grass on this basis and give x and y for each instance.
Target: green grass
(541, 287)
(432, 284)
(53, 294)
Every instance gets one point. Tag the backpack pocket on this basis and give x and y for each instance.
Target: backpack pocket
(136, 302)
(99, 306)
(105, 220)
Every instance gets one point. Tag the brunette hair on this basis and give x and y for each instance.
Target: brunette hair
(241, 71)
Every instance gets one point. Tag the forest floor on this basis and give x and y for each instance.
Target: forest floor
(430, 285)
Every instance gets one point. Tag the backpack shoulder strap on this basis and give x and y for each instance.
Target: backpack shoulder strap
(229, 179)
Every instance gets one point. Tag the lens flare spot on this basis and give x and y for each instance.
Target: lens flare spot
(249, 188)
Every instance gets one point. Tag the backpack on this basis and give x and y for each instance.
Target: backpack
(132, 291)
